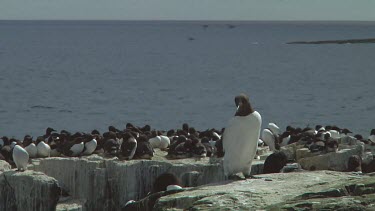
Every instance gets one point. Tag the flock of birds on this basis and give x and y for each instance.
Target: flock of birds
(318, 139)
(139, 142)
(130, 143)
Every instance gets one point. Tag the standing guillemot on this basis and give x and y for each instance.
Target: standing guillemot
(270, 139)
(275, 162)
(44, 149)
(144, 149)
(90, 144)
(73, 147)
(128, 146)
(111, 147)
(30, 146)
(154, 140)
(371, 138)
(49, 131)
(240, 138)
(20, 157)
(6, 149)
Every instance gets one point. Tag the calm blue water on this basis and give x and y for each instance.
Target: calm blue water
(89, 75)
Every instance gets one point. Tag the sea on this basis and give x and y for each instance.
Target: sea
(85, 75)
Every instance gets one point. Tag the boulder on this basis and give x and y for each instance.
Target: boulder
(28, 190)
(70, 205)
(290, 151)
(4, 166)
(337, 161)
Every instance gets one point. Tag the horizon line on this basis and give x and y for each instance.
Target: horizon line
(193, 20)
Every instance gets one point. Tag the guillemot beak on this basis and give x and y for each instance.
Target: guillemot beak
(239, 105)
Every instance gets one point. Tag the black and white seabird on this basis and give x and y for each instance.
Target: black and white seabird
(30, 146)
(44, 149)
(128, 146)
(90, 145)
(240, 138)
(20, 157)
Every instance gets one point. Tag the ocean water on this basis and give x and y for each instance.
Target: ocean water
(80, 76)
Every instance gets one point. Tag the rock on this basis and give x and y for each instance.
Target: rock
(337, 161)
(347, 140)
(290, 151)
(309, 190)
(351, 41)
(108, 183)
(83, 178)
(71, 205)
(28, 190)
(4, 166)
(192, 179)
(370, 148)
(147, 203)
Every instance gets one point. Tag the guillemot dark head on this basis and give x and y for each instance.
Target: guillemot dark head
(243, 105)
(49, 130)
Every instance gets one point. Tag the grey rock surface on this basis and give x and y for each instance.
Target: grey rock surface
(337, 161)
(108, 183)
(289, 191)
(28, 190)
(70, 205)
(4, 166)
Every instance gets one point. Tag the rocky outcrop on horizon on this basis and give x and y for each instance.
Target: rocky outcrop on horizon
(348, 41)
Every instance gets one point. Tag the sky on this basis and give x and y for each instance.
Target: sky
(333, 10)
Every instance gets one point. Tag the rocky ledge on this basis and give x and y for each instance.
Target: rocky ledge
(309, 190)
(97, 182)
(28, 190)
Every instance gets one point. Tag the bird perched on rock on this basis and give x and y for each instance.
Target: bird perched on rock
(30, 146)
(371, 138)
(155, 140)
(240, 138)
(6, 150)
(270, 139)
(90, 144)
(144, 149)
(49, 131)
(128, 146)
(20, 157)
(284, 138)
(164, 142)
(275, 162)
(172, 152)
(111, 147)
(210, 150)
(198, 149)
(73, 148)
(355, 163)
(219, 148)
(331, 145)
(44, 149)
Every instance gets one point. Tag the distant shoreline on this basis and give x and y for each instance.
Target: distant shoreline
(299, 22)
(349, 41)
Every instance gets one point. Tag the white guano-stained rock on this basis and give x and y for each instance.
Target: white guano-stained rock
(4, 166)
(28, 190)
(337, 161)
